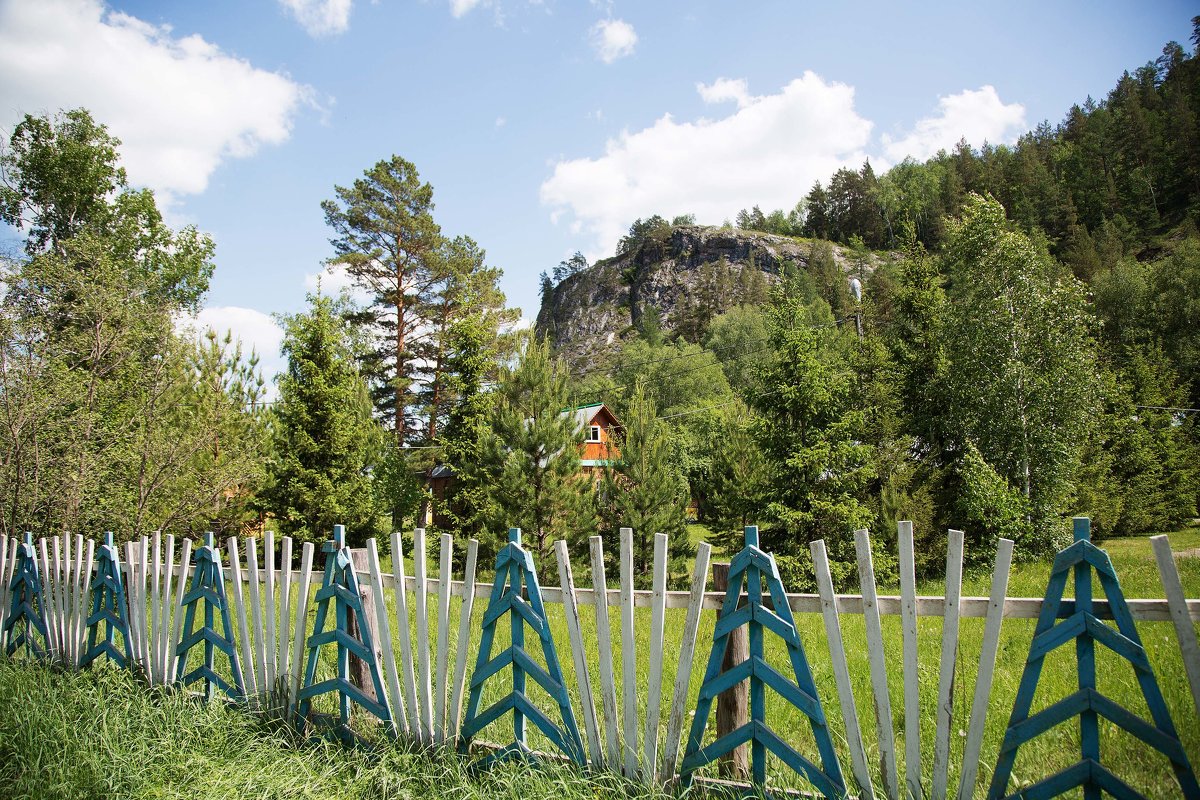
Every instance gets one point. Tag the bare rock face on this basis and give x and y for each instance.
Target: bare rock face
(590, 312)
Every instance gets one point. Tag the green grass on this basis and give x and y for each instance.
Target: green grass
(99, 734)
(1142, 768)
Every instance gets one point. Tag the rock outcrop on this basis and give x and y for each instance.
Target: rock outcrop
(590, 312)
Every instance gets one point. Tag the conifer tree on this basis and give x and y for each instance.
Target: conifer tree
(387, 241)
(536, 484)
(643, 489)
(326, 440)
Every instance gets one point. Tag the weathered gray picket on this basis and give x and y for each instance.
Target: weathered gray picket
(272, 599)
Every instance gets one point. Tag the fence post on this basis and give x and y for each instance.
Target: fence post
(733, 705)
(360, 671)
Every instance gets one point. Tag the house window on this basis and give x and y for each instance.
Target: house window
(593, 433)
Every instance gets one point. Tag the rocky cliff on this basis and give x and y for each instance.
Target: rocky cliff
(590, 312)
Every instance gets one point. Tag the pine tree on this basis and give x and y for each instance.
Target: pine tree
(811, 438)
(387, 241)
(326, 440)
(644, 489)
(536, 484)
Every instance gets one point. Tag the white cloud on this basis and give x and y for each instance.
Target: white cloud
(769, 151)
(501, 122)
(256, 330)
(723, 89)
(180, 105)
(613, 39)
(977, 116)
(332, 281)
(320, 17)
(460, 8)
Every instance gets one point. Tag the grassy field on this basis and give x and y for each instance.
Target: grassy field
(1141, 767)
(99, 734)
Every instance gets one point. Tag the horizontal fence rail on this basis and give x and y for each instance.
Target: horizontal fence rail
(406, 650)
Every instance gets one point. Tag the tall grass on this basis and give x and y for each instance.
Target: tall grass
(101, 734)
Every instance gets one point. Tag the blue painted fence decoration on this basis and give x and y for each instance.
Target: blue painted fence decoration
(1085, 630)
(341, 588)
(749, 569)
(108, 608)
(514, 571)
(208, 587)
(27, 604)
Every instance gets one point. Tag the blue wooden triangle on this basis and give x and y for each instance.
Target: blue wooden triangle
(208, 590)
(108, 608)
(1084, 629)
(515, 572)
(749, 569)
(340, 587)
(26, 604)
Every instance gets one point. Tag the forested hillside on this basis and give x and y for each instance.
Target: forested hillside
(1025, 347)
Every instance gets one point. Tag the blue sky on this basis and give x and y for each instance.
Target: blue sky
(544, 127)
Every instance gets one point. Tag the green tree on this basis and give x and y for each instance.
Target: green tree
(735, 492)
(1021, 362)
(812, 440)
(387, 241)
(536, 484)
(644, 489)
(60, 178)
(326, 441)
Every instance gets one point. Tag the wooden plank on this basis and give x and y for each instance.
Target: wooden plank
(63, 556)
(3, 585)
(255, 601)
(628, 658)
(285, 607)
(271, 645)
(164, 638)
(987, 668)
(841, 672)
(142, 548)
(404, 631)
(1185, 630)
(654, 694)
(131, 605)
(912, 673)
(443, 637)
(78, 584)
(464, 639)
(65, 597)
(608, 689)
(49, 608)
(53, 591)
(424, 687)
(301, 626)
(578, 652)
(177, 610)
(384, 640)
(877, 660)
(683, 673)
(249, 673)
(156, 604)
(87, 550)
(945, 709)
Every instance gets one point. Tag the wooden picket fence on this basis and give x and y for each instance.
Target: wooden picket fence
(271, 602)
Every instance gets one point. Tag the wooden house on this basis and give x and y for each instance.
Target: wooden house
(600, 427)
